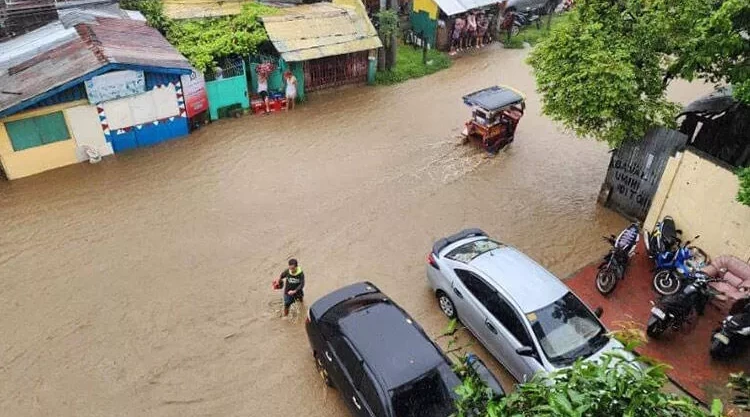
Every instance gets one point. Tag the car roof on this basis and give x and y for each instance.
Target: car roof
(391, 344)
(525, 281)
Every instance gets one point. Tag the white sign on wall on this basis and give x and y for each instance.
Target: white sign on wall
(114, 85)
(159, 103)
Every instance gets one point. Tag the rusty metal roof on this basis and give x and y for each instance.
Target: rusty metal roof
(105, 45)
(319, 30)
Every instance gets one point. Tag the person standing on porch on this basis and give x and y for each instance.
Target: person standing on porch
(291, 89)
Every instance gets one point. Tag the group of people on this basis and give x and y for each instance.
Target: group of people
(290, 90)
(469, 30)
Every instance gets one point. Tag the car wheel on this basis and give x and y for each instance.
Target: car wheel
(322, 371)
(446, 305)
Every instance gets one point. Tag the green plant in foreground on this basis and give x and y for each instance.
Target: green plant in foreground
(614, 387)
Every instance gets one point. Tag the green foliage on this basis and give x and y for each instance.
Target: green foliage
(152, 10)
(614, 387)
(205, 42)
(719, 51)
(602, 74)
(474, 393)
(740, 384)
(744, 194)
(387, 25)
(532, 35)
(409, 65)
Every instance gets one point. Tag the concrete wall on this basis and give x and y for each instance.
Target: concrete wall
(700, 194)
(18, 164)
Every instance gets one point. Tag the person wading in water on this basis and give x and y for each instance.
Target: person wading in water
(292, 285)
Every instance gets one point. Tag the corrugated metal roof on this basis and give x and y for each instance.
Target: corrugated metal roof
(21, 48)
(106, 44)
(454, 7)
(319, 30)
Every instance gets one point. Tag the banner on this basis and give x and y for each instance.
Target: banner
(194, 91)
(114, 85)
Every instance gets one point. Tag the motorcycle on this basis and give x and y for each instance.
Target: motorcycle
(523, 19)
(674, 267)
(612, 269)
(734, 334)
(663, 238)
(673, 311)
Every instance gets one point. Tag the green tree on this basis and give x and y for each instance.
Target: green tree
(205, 42)
(152, 10)
(604, 73)
(719, 49)
(388, 30)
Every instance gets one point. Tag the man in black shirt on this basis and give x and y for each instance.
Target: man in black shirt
(294, 282)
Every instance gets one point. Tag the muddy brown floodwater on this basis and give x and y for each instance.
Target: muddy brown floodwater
(140, 286)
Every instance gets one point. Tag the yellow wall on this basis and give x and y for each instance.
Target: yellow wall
(41, 158)
(428, 6)
(701, 197)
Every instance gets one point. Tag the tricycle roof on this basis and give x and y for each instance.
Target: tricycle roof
(494, 98)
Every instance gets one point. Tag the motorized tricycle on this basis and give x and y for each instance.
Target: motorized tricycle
(495, 114)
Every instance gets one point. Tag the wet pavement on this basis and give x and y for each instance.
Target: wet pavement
(686, 351)
(141, 285)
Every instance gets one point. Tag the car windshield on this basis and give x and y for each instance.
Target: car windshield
(465, 253)
(567, 330)
(427, 396)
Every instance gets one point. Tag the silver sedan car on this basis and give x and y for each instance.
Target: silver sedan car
(525, 316)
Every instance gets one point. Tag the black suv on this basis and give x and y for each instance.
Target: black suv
(379, 358)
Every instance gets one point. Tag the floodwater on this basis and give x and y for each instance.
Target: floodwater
(142, 285)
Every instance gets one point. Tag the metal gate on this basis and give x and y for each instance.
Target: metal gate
(635, 171)
(335, 71)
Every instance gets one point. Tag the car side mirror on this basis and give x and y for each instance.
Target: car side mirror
(598, 312)
(485, 375)
(525, 351)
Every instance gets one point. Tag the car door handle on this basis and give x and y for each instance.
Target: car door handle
(490, 326)
(328, 356)
(458, 293)
(356, 403)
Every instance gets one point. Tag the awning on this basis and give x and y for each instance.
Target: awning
(319, 30)
(454, 7)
